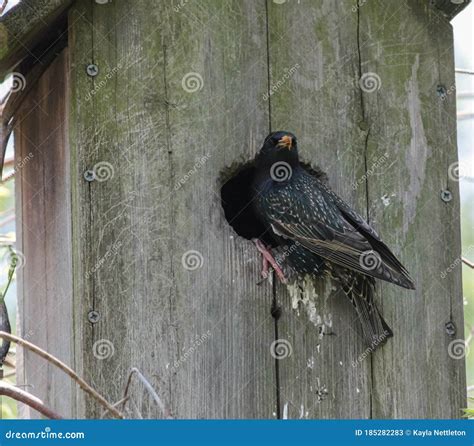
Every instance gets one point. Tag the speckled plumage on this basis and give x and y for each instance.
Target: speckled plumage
(321, 233)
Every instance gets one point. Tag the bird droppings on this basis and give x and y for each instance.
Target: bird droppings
(310, 363)
(340, 363)
(357, 390)
(303, 295)
(285, 411)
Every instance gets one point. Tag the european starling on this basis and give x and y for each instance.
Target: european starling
(321, 233)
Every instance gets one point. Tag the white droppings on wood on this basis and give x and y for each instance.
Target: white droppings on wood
(307, 297)
(310, 362)
(301, 411)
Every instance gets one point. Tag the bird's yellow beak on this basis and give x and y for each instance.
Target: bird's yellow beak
(286, 142)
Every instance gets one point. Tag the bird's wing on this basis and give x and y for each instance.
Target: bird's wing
(309, 213)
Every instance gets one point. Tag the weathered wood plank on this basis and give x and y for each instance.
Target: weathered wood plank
(172, 107)
(412, 126)
(320, 103)
(45, 297)
(22, 27)
(201, 336)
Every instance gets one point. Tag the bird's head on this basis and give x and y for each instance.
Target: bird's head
(279, 146)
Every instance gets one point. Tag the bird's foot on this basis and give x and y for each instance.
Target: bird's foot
(268, 259)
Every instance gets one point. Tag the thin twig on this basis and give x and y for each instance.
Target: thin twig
(467, 262)
(117, 404)
(464, 71)
(66, 369)
(134, 371)
(28, 399)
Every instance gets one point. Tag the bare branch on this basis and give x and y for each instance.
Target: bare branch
(117, 404)
(28, 399)
(464, 71)
(66, 369)
(134, 371)
(468, 262)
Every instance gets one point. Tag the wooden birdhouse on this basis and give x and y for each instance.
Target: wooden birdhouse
(138, 114)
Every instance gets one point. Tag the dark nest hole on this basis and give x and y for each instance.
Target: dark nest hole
(236, 200)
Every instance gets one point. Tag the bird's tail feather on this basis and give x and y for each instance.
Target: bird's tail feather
(360, 290)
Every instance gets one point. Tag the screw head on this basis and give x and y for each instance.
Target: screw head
(93, 316)
(450, 328)
(89, 175)
(92, 70)
(446, 195)
(441, 90)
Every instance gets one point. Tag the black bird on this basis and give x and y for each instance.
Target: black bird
(321, 234)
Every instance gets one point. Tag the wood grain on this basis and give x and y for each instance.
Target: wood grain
(201, 336)
(185, 93)
(44, 228)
